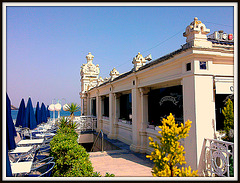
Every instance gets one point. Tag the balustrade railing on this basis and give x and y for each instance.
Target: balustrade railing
(217, 157)
(85, 123)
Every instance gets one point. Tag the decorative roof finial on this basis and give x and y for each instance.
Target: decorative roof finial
(89, 57)
(138, 61)
(114, 73)
(196, 34)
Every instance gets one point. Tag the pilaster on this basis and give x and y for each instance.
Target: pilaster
(144, 118)
(88, 105)
(136, 120)
(98, 111)
(112, 113)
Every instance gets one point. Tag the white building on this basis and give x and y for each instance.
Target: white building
(191, 83)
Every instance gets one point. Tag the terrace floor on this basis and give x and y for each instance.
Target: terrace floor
(121, 163)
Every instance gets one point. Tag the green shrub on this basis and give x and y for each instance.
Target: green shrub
(228, 120)
(97, 174)
(66, 122)
(72, 159)
(231, 169)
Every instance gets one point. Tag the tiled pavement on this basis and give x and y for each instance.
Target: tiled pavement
(121, 163)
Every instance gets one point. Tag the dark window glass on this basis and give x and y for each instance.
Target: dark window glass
(83, 107)
(188, 65)
(162, 102)
(106, 107)
(203, 65)
(126, 106)
(94, 107)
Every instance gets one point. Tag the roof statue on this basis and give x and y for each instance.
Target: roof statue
(89, 68)
(196, 34)
(89, 57)
(100, 81)
(138, 61)
(114, 73)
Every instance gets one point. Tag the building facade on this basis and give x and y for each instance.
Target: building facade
(191, 83)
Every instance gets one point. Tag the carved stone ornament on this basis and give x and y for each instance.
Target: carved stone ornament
(91, 85)
(89, 68)
(114, 73)
(196, 34)
(196, 27)
(100, 81)
(138, 61)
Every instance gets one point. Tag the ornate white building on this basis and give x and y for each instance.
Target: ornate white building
(191, 82)
(89, 79)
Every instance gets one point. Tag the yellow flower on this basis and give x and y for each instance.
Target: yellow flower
(150, 138)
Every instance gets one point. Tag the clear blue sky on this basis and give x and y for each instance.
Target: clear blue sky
(46, 46)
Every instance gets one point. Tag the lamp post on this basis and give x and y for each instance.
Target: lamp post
(52, 108)
(65, 106)
(58, 107)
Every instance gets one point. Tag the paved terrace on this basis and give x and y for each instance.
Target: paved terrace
(121, 163)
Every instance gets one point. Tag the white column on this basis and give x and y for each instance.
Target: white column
(88, 105)
(112, 114)
(99, 112)
(198, 107)
(83, 104)
(136, 120)
(144, 118)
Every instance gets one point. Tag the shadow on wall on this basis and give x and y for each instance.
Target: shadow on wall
(204, 160)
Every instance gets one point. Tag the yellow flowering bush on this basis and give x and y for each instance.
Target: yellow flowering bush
(169, 153)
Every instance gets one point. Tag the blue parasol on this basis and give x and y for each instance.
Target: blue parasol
(8, 169)
(11, 132)
(38, 114)
(30, 120)
(21, 113)
(44, 113)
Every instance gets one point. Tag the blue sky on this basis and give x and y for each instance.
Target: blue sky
(46, 46)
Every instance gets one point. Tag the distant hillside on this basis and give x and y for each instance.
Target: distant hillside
(13, 108)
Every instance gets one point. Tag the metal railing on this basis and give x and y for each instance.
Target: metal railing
(85, 123)
(217, 157)
(97, 139)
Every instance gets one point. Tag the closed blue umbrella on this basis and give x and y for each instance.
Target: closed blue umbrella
(38, 114)
(30, 120)
(43, 113)
(21, 114)
(11, 132)
(8, 168)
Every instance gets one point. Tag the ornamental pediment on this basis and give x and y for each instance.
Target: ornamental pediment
(90, 69)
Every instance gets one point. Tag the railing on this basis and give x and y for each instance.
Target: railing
(217, 156)
(97, 139)
(85, 123)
